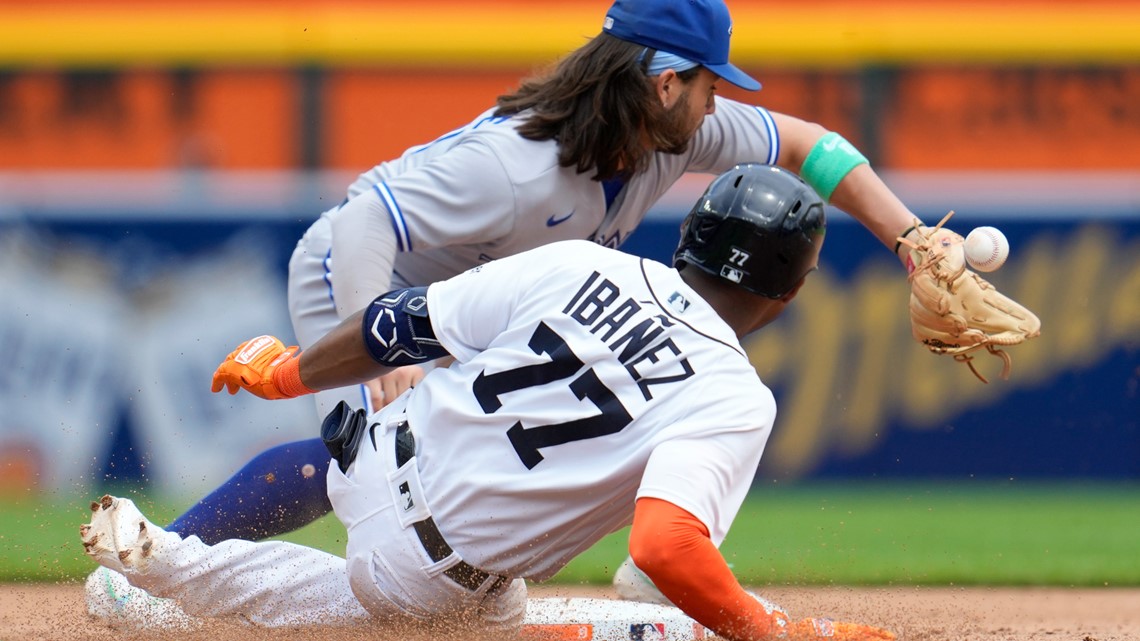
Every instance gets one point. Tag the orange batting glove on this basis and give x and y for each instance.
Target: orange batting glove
(815, 629)
(264, 367)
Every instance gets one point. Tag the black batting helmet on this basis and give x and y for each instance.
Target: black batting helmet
(758, 226)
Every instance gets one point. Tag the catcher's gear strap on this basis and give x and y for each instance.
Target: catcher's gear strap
(397, 330)
(673, 548)
(829, 162)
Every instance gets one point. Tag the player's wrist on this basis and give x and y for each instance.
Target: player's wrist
(906, 241)
(905, 235)
(287, 378)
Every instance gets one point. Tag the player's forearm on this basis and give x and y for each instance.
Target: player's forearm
(864, 196)
(720, 605)
(397, 332)
(340, 358)
(860, 191)
(674, 550)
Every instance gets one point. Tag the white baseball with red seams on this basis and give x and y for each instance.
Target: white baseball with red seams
(986, 249)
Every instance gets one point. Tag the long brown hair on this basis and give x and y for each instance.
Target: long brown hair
(598, 104)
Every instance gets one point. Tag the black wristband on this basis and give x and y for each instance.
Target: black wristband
(906, 231)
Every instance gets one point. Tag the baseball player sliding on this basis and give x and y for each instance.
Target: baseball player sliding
(591, 389)
(581, 152)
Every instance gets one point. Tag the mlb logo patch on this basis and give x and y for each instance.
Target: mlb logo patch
(731, 273)
(647, 632)
(406, 494)
(678, 303)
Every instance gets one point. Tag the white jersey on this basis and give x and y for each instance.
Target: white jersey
(585, 378)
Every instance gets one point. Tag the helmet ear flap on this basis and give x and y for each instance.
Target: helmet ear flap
(757, 226)
(705, 227)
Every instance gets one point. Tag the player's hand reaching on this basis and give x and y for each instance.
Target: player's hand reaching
(385, 389)
(813, 629)
(264, 367)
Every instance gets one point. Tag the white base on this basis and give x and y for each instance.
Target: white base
(583, 619)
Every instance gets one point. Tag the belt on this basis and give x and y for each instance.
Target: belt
(431, 538)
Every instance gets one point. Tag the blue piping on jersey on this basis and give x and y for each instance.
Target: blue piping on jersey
(328, 275)
(403, 238)
(494, 120)
(445, 136)
(365, 399)
(773, 136)
(451, 134)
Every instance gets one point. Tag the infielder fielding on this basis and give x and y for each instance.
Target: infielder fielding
(590, 389)
(582, 152)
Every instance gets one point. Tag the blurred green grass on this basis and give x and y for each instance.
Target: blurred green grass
(858, 533)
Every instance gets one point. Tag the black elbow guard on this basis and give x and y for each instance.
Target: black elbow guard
(397, 330)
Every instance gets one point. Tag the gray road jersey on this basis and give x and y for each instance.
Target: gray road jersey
(483, 192)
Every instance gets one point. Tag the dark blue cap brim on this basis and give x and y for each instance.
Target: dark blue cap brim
(737, 77)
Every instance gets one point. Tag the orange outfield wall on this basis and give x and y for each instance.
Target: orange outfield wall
(925, 118)
(249, 119)
(148, 119)
(374, 115)
(1019, 84)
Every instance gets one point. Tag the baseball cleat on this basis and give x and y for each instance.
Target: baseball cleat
(119, 537)
(111, 599)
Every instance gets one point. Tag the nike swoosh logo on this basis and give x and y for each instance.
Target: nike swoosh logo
(552, 221)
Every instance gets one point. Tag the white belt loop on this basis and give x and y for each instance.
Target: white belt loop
(392, 421)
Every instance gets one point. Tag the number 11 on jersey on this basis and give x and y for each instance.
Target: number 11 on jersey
(562, 365)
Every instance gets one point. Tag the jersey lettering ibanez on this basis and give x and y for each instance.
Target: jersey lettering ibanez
(640, 343)
(576, 382)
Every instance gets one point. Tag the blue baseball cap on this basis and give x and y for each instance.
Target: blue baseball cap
(697, 30)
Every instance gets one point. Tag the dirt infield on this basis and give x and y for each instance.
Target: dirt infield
(57, 613)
